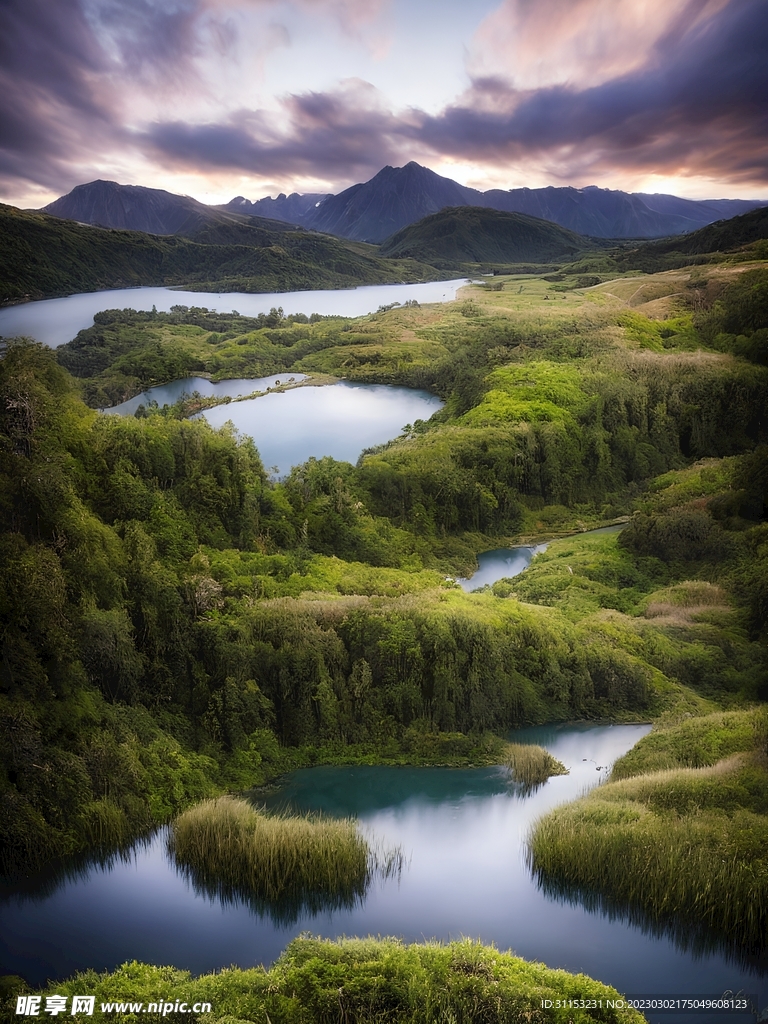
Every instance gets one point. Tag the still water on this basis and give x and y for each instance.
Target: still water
(339, 420)
(462, 833)
(292, 426)
(500, 564)
(56, 321)
(503, 563)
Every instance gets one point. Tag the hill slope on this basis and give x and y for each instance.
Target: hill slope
(43, 256)
(471, 234)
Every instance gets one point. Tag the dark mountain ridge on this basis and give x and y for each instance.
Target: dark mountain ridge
(399, 196)
(372, 211)
(157, 212)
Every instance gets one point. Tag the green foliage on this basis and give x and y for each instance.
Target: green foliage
(43, 256)
(686, 847)
(738, 320)
(316, 981)
(229, 848)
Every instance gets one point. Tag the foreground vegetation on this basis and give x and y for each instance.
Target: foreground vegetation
(368, 981)
(678, 838)
(234, 851)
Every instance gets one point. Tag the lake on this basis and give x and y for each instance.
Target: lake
(169, 394)
(462, 832)
(292, 426)
(503, 563)
(56, 321)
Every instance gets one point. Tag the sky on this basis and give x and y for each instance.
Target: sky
(219, 98)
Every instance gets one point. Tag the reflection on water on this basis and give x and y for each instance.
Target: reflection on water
(169, 394)
(299, 901)
(462, 833)
(339, 420)
(56, 321)
(689, 936)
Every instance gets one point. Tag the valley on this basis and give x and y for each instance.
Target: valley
(179, 624)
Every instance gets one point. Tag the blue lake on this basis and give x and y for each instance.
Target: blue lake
(56, 321)
(463, 835)
(169, 394)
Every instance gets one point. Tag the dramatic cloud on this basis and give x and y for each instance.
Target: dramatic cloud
(698, 104)
(235, 95)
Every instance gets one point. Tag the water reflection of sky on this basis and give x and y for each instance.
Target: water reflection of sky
(339, 420)
(462, 833)
(56, 321)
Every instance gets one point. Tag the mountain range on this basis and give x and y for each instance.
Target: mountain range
(393, 199)
(399, 196)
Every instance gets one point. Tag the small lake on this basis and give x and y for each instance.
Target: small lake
(292, 426)
(503, 563)
(462, 832)
(500, 564)
(56, 321)
(169, 394)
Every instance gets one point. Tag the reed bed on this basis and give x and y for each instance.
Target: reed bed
(675, 846)
(530, 764)
(234, 850)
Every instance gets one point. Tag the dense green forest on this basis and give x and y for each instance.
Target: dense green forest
(176, 624)
(42, 256)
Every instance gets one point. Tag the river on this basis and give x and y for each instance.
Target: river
(462, 832)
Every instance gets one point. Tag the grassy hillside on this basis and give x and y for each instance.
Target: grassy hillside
(42, 256)
(474, 235)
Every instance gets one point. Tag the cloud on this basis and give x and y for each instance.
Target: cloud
(534, 44)
(51, 110)
(88, 86)
(325, 135)
(696, 106)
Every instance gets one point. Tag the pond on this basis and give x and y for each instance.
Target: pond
(289, 427)
(462, 833)
(56, 321)
(503, 563)
(339, 420)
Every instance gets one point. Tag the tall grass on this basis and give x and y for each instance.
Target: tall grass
(686, 848)
(280, 863)
(530, 764)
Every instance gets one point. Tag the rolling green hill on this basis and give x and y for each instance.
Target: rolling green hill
(42, 256)
(473, 235)
(741, 234)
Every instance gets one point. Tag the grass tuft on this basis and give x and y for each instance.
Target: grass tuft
(532, 765)
(234, 851)
(683, 847)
